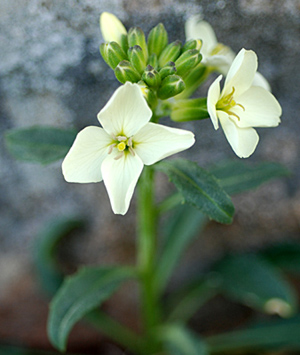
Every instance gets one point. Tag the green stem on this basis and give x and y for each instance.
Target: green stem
(147, 220)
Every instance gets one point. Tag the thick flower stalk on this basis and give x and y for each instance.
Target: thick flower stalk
(240, 106)
(117, 152)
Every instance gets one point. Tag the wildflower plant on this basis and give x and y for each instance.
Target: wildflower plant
(157, 79)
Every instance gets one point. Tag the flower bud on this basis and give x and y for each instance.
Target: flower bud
(126, 72)
(168, 69)
(137, 58)
(170, 53)
(192, 44)
(151, 77)
(111, 28)
(193, 79)
(137, 37)
(189, 110)
(112, 53)
(153, 61)
(187, 61)
(148, 94)
(171, 86)
(157, 39)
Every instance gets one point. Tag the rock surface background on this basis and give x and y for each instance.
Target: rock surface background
(51, 73)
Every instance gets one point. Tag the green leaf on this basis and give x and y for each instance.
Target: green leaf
(285, 256)
(280, 335)
(237, 176)
(80, 294)
(251, 280)
(178, 340)
(199, 188)
(180, 230)
(39, 144)
(45, 248)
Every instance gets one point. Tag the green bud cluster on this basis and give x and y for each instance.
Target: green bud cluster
(162, 69)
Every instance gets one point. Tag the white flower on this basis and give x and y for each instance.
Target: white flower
(117, 152)
(241, 105)
(111, 27)
(214, 54)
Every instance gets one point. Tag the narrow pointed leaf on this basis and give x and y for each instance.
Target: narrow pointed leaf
(199, 188)
(45, 247)
(279, 335)
(39, 144)
(238, 176)
(179, 340)
(180, 230)
(80, 294)
(252, 281)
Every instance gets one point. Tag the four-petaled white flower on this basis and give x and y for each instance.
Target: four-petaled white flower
(117, 152)
(241, 105)
(111, 27)
(215, 55)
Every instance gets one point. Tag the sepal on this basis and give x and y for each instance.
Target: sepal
(167, 70)
(153, 61)
(112, 53)
(189, 110)
(137, 58)
(125, 71)
(157, 39)
(187, 61)
(148, 94)
(151, 77)
(170, 53)
(171, 86)
(192, 44)
(136, 36)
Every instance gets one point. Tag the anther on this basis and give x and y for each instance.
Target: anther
(111, 148)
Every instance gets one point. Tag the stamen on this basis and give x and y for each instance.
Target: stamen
(230, 113)
(129, 142)
(132, 152)
(241, 106)
(111, 147)
(119, 156)
(121, 138)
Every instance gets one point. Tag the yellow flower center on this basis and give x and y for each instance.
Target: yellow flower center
(123, 144)
(227, 103)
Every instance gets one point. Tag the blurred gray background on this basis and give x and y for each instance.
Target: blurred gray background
(51, 73)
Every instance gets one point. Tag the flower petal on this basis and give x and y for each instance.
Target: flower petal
(260, 80)
(120, 177)
(111, 27)
(261, 109)
(243, 141)
(155, 142)
(213, 96)
(125, 112)
(219, 62)
(83, 161)
(196, 28)
(241, 73)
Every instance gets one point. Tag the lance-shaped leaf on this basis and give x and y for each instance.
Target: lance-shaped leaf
(80, 294)
(45, 248)
(251, 280)
(279, 335)
(237, 176)
(179, 340)
(199, 188)
(180, 230)
(39, 144)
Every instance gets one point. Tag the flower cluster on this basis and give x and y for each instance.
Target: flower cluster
(166, 74)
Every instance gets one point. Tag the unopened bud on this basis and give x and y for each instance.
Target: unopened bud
(171, 86)
(151, 77)
(193, 79)
(126, 72)
(148, 94)
(157, 39)
(187, 61)
(192, 44)
(137, 58)
(170, 53)
(167, 70)
(189, 110)
(137, 37)
(111, 28)
(112, 53)
(153, 61)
